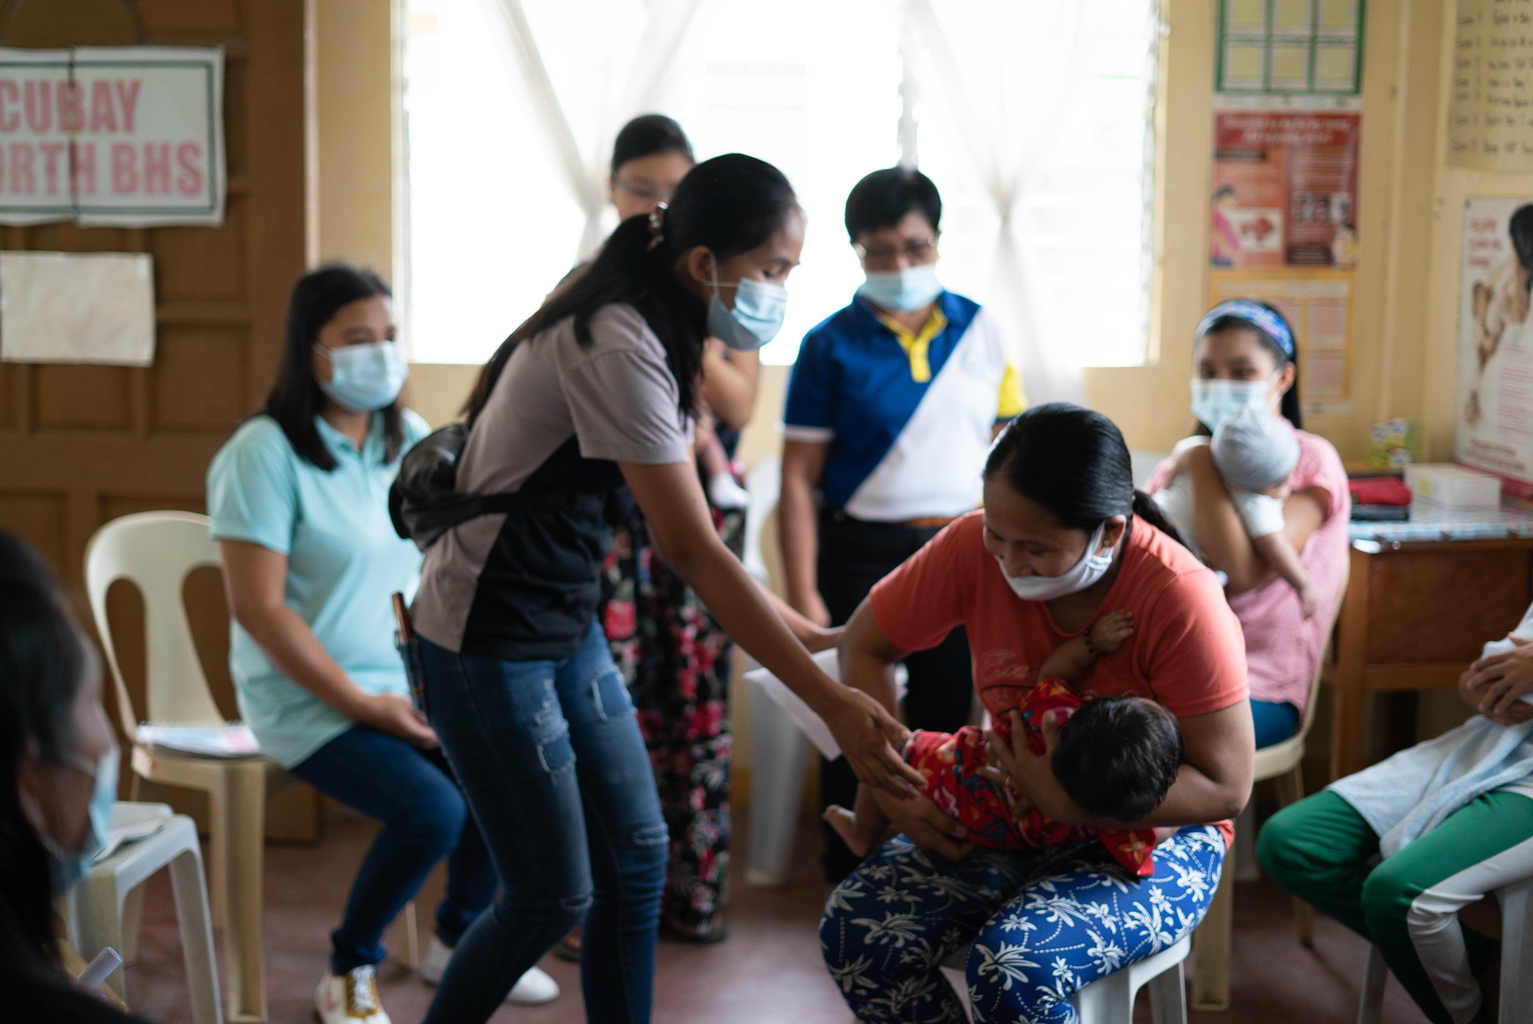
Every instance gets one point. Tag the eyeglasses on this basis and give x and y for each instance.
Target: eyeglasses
(644, 190)
(914, 251)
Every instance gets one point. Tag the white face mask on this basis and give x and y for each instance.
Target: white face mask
(905, 290)
(365, 377)
(1214, 401)
(1090, 569)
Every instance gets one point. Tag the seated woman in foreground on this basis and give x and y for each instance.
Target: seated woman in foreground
(1453, 820)
(1243, 358)
(1062, 541)
(58, 781)
(1116, 757)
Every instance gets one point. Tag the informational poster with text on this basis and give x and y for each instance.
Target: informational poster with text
(1493, 429)
(124, 136)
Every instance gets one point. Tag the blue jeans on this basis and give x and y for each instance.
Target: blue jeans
(1039, 925)
(424, 819)
(1274, 722)
(555, 771)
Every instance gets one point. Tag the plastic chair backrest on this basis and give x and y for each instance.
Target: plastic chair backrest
(764, 482)
(155, 551)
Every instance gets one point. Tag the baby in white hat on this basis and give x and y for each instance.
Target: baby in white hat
(1256, 454)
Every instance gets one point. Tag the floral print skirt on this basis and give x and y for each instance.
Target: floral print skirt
(1039, 924)
(676, 661)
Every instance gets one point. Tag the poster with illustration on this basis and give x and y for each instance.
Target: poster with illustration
(1494, 428)
(1284, 188)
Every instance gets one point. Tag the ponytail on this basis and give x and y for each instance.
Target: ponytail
(727, 205)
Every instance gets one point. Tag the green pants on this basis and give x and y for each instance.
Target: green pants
(1321, 850)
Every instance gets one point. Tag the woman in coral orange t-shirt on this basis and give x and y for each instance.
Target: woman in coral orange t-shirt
(1062, 540)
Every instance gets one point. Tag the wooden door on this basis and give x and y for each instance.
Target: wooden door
(80, 445)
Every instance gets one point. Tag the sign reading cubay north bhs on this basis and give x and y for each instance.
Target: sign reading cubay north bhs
(126, 136)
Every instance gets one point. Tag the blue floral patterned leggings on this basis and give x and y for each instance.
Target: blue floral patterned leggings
(1042, 924)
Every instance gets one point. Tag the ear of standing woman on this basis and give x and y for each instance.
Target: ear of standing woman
(58, 781)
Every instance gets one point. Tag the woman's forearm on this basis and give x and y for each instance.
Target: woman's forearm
(867, 658)
(293, 649)
(799, 534)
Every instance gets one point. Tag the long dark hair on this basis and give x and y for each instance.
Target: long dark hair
(296, 398)
(1074, 464)
(1290, 407)
(729, 205)
(43, 662)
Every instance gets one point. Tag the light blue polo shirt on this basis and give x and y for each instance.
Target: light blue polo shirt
(344, 563)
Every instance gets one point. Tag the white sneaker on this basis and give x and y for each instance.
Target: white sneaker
(533, 988)
(350, 998)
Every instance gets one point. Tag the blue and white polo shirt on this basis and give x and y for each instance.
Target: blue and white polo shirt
(908, 417)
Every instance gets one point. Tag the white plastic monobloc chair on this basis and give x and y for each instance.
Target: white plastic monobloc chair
(156, 551)
(1516, 957)
(1281, 762)
(94, 908)
(1110, 1000)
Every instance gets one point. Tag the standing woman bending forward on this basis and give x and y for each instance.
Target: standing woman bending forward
(1063, 539)
(597, 389)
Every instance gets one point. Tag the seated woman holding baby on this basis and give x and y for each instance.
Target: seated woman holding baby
(1074, 837)
(1263, 502)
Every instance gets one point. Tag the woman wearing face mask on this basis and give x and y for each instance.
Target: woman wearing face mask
(298, 498)
(596, 390)
(674, 656)
(58, 780)
(1063, 539)
(1244, 358)
(892, 405)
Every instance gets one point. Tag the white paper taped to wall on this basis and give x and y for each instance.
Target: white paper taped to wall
(63, 307)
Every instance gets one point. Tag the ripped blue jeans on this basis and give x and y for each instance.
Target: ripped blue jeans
(550, 757)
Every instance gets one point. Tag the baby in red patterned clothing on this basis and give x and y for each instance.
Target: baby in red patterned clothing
(1116, 758)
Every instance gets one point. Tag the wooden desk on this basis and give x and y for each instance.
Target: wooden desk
(1417, 612)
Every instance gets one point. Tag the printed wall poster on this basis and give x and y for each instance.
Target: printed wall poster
(130, 136)
(1494, 427)
(1284, 188)
(1318, 304)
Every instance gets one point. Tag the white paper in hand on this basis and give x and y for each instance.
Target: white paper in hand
(800, 713)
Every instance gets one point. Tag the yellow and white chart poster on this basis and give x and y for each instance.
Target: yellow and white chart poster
(1317, 303)
(1493, 430)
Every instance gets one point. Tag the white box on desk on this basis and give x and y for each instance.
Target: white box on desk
(1454, 488)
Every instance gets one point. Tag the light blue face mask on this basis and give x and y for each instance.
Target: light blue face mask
(905, 290)
(756, 318)
(66, 868)
(365, 377)
(1214, 401)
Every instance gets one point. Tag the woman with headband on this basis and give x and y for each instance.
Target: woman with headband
(1243, 358)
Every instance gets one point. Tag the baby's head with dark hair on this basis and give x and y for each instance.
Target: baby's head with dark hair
(1118, 756)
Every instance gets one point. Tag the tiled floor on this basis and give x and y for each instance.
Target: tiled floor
(768, 971)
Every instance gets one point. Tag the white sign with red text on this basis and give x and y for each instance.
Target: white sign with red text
(129, 136)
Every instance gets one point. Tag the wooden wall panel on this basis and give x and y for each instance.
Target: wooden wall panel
(174, 16)
(195, 263)
(82, 397)
(38, 519)
(80, 445)
(199, 383)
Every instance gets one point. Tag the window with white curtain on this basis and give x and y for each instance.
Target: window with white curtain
(1032, 116)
